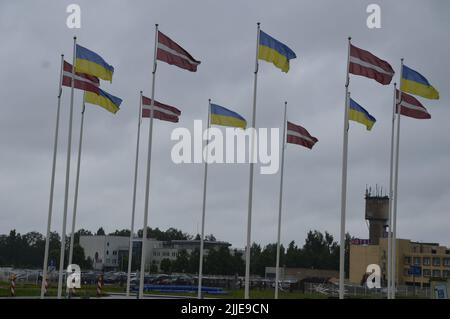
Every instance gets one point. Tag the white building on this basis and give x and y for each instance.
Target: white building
(111, 252)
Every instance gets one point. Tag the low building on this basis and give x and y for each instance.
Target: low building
(111, 252)
(430, 259)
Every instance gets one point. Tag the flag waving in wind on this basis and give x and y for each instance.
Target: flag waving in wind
(82, 81)
(366, 64)
(91, 63)
(226, 117)
(296, 134)
(109, 102)
(274, 51)
(415, 83)
(160, 111)
(358, 114)
(171, 53)
(411, 107)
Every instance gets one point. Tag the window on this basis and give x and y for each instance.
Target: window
(447, 262)
(407, 260)
(417, 261)
(108, 260)
(433, 251)
(115, 252)
(436, 261)
(446, 274)
(447, 251)
(436, 273)
(426, 272)
(107, 252)
(426, 261)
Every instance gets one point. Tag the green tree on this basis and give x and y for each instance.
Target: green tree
(101, 232)
(166, 265)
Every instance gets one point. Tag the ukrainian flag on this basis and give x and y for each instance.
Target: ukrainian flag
(91, 63)
(274, 51)
(415, 83)
(226, 117)
(109, 102)
(358, 114)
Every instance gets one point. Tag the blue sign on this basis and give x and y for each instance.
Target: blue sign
(415, 271)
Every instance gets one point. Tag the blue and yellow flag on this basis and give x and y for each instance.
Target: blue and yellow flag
(415, 83)
(274, 51)
(358, 114)
(109, 102)
(226, 117)
(91, 63)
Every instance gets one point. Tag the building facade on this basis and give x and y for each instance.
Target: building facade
(431, 260)
(111, 252)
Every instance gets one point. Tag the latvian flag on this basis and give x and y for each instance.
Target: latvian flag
(298, 135)
(82, 81)
(170, 52)
(160, 111)
(411, 107)
(366, 64)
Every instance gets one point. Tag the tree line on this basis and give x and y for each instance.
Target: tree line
(319, 251)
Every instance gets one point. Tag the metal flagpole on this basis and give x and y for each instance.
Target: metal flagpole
(52, 182)
(77, 182)
(250, 191)
(391, 194)
(66, 192)
(200, 268)
(280, 205)
(147, 182)
(394, 213)
(344, 181)
(133, 209)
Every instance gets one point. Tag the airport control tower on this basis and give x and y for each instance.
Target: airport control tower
(377, 215)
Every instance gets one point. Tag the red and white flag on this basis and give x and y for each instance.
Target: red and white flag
(299, 135)
(366, 64)
(170, 52)
(411, 107)
(83, 81)
(160, 111)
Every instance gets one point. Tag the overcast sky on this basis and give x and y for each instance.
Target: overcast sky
(222, 35)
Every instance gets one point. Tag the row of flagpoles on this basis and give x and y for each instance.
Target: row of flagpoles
(88, 67)
(364, 63)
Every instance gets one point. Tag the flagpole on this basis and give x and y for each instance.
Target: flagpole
(66, 192)
(344, 181)
(394, 214)
(133, 209)
(280, 205)
(200, 268)
(391, 192)
(147, 182)
(77, 182)
(52, 181)
(250, 191)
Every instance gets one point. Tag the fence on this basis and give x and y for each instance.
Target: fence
(353, 291)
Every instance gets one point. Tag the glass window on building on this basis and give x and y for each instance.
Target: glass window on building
(417, 261)
(426, 261)
(426, 272)
(446, 274)
(407, 260)
(436, 261)
(436, 273)
(447, 262)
